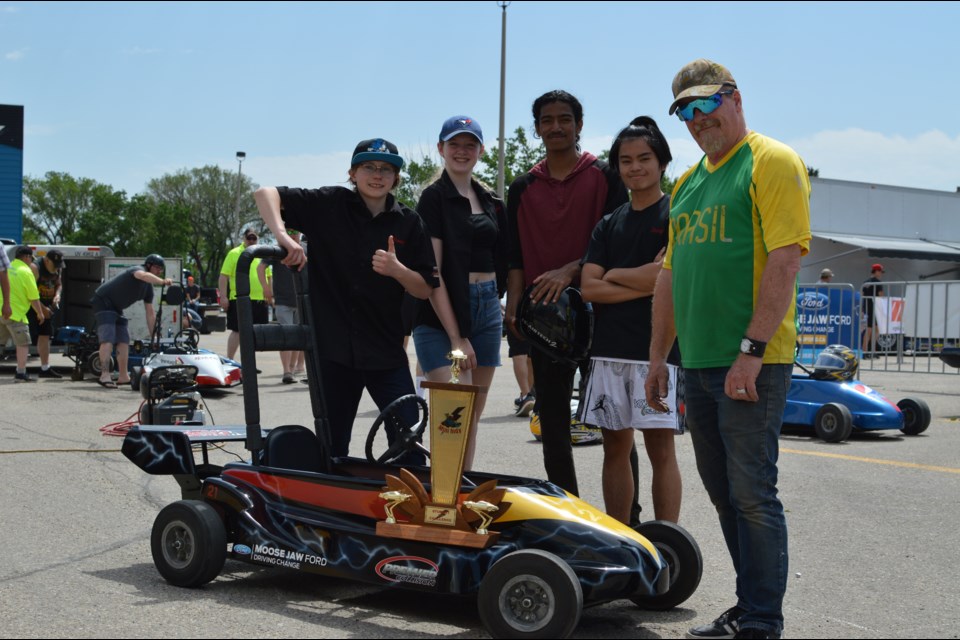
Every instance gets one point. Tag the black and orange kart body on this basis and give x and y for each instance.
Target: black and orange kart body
(547, 554)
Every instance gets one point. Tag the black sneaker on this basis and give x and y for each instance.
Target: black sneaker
(725, 626)
(517, 402)
(523, 410)
(23, 377)
(48, 373)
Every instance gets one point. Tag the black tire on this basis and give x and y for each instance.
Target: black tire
(77, 374)
(135, 378)
(530, 594)
(916, 416)
(94, 365)
(408, 437)
(833, 422)
(189, 543)
(682, 555)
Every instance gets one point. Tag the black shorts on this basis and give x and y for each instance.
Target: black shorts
(37, 329)
(261, 314)
(516, 346)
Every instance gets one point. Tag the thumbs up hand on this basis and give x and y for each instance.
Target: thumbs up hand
(386, 263)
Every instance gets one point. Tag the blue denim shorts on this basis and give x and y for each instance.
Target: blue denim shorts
(433, 345)
(112, 327)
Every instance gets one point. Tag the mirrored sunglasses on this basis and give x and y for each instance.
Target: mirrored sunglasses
(705, 106)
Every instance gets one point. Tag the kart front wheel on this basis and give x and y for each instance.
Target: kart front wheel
(95, 366)
(833, 422)
(916, 416)
(189, 543)
(530, 594)
(682, 555)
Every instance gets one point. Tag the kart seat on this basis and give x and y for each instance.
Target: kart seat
(293, 447)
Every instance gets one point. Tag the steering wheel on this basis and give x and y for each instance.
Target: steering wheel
(407, 436)
(187, 339)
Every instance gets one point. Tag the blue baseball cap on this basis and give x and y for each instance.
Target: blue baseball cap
(377, 149)
(460, 124)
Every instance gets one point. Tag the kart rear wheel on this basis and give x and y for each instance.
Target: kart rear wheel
(407, 437)
(916, 416)
(530, 594)
(682, 555)
(833, 422)
(189, 543)
(135, 378)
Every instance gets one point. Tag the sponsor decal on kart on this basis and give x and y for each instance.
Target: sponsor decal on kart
(284, 558)
(242, 549)
(409, 569)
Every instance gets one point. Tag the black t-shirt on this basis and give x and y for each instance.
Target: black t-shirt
(871, 288)
(356, 311)
(625, 239)
(193, 292)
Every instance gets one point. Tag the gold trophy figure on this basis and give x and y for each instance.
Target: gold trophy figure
(393, 499)
(485, 510)
(457, 358)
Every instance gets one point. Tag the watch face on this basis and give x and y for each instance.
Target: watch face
(744, 346)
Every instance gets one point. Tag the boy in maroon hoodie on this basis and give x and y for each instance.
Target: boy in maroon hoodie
(551, 212)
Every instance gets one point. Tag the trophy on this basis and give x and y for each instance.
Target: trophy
(439, 516)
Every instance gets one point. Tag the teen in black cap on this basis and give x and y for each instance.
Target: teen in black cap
(367, 249)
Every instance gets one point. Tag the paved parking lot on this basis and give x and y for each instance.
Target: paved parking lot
(873, 528)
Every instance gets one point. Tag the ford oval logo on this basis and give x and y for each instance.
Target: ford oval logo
(813, 300)
(242, 549)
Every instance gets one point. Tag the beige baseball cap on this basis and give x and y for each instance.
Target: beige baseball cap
(700, 79)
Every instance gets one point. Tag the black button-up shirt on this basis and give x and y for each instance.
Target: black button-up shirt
(356, 311)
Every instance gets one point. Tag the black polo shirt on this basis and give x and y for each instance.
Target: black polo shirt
(356, 310)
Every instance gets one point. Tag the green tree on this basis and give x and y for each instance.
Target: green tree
(415, 177)
(518, 158)
(56, 207)
(213, 206)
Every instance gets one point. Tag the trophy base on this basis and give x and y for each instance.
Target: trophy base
(437, 535)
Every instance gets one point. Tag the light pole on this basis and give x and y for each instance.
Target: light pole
(503, 4)
(241, 156)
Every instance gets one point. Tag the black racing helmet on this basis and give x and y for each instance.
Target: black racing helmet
(836, 362)
(562, 330)
(154, 260)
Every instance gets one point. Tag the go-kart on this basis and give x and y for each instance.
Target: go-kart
(543, 554)
(213, 370)
(836, 409)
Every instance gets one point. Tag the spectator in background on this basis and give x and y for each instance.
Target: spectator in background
(109, 302)
(228, 291)
(18, 297)
(48, 271)
(5, 284)
(282, 295)
(870, 291)
(826, 276)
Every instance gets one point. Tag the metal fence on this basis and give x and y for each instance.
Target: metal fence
(914, 322)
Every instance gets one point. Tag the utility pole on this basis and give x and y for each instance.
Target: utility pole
(503, 4)
(240, 158)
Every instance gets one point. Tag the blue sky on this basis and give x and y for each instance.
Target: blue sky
(123, 92)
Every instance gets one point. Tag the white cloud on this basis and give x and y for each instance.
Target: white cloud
(15, 55)
(924, 161)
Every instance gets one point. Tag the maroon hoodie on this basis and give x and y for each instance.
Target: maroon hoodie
(551, 220)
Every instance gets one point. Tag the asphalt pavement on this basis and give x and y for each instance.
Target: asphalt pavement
(873, 526)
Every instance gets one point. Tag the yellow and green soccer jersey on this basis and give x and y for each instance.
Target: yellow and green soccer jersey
(724, 220)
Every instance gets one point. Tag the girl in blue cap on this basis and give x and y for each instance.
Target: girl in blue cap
(468, 229)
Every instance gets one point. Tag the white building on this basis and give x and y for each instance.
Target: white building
(913, 233)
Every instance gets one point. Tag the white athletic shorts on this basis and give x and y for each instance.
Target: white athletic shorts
(614, 397)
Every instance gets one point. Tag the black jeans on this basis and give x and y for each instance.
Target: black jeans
(342, 388)
(553, 382)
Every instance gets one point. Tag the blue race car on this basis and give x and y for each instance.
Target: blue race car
(832, 401)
